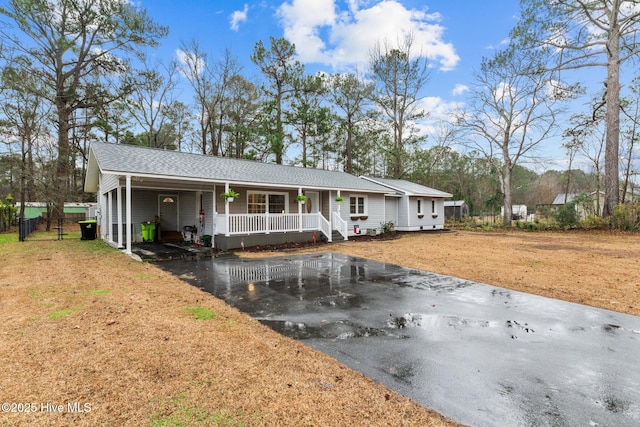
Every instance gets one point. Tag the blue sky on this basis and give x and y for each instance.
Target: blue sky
(336, 36)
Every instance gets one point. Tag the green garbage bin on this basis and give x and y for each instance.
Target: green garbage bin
(148, 231)
(88, 229)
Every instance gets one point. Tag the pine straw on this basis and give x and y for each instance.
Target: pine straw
(600, 269)
(83, 323)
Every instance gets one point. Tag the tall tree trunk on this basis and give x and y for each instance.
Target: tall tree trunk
(348, 167)
(612, 118)
(507, 217)
(627, 168)
(63, 169)
(31, 186)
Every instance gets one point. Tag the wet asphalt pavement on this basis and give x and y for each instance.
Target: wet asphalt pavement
(479, 354)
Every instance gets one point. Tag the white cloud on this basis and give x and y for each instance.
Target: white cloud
(238, 16)
(343, 38)
(459, 89)
(439, 111)
(303, 21)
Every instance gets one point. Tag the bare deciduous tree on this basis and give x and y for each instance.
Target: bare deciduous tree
(511, 112)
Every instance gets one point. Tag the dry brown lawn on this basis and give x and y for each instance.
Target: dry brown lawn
(84, 324)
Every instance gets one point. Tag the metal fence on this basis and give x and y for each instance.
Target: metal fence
(27, 226)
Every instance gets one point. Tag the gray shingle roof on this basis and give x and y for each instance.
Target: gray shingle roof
(134, 160)
(409, 188)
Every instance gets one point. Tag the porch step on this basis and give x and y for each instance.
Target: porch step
(336, 236)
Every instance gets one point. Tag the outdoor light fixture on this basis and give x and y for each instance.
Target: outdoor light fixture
(167, 200)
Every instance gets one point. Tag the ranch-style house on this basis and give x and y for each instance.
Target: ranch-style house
(230, 203)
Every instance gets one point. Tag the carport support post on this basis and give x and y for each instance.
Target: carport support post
(110, 215)
(119, 204)
(128, 208)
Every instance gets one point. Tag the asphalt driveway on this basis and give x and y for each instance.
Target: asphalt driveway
(479, 354)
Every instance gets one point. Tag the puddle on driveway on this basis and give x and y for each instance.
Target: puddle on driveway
(481, 355)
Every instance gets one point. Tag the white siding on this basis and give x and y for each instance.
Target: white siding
(188, 209)
(374, 211)
(108, 182)
(209, 214)
(391, 209)
(403, 212)
(429, 219)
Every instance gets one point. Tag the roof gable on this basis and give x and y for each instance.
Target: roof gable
(143, 161)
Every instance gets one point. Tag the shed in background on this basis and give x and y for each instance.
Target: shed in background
(455, 210)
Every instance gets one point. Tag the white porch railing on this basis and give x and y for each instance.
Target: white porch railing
(340, 225)
(267, 223)
(325, 227)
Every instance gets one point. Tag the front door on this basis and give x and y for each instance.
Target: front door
(168, 212)
(313, 202)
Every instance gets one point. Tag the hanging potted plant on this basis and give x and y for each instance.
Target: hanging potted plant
(301, 198)
(339, 199)
(230, 195)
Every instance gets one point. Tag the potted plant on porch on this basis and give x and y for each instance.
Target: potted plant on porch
(301, 198)
(230, 195)
(339, 199)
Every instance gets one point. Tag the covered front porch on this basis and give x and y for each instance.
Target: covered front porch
(199, 212)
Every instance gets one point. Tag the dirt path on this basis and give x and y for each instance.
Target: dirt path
(84, 325)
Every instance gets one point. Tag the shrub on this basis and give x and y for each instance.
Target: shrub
(386, 228)
(626, 216)
(594, 222)
(566, 215)
(7, 213)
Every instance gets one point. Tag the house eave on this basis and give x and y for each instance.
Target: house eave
(176, 178)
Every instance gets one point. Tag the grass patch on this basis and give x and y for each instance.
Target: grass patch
(191, 417)
(100, 291)
(96, 246)
(59, 314)
(8, 238)
(201, 313)
(142, 276)
(180, 414)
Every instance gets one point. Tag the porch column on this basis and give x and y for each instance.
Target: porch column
(128, 208)
(226, 210)
(300, 211)
(266, 222)
(103, 216)
(214, 217)
(119, 206)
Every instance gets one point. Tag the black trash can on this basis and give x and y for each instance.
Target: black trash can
(89, 229)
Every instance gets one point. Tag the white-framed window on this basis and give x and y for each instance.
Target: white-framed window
(358, 205)
(419, 203)
(433, 206)
(259, 202)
